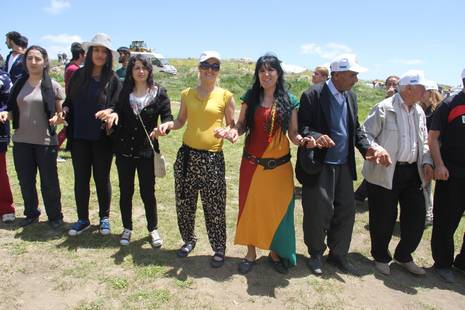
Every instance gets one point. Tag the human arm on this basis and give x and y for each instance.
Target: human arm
(223, 132)
(440, 171)
(59, 99)
(371, 129)
(164, 128)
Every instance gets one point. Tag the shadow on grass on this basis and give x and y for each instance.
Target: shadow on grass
(40, 231)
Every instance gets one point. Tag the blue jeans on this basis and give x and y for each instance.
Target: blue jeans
(28, 158)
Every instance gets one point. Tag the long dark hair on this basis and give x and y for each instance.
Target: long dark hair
(46, 81)
(128, 84)
(283, 106)
(107, 70)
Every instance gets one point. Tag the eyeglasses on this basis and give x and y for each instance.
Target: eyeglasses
(205, 66)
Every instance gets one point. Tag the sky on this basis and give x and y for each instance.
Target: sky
(387, 37)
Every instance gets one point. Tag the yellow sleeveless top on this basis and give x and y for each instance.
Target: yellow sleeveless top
(203, 117)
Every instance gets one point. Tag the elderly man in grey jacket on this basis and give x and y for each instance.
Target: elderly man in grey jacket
(396, 127)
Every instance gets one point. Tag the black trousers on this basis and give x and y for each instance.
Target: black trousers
(28, 158)
(127, 167)
(448, 209)
(382, 203)
(329, 210)
(92, 157)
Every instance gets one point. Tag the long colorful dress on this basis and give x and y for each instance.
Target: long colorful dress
(266, 197)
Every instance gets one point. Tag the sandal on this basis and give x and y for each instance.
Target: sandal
(246, 266)
(185, 249)
(217, 260)
(278, 265)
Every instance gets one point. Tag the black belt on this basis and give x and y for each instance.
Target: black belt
(405, 163)
(267, 163)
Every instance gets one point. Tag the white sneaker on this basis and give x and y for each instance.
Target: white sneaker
(155, 239)
(8, 218)
(125, 237)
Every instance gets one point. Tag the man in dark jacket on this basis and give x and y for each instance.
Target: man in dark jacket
(15, 64)
(328, 113)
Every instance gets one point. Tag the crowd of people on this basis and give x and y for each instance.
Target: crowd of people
(407, 140)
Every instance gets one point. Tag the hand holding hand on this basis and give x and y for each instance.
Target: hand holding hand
(378, 155)
(161, 130)
(324, 141)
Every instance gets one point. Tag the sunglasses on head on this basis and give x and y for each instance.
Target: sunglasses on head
(205, 66)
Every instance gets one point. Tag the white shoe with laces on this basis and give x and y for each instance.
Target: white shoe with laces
(155, 239)
(125, 237)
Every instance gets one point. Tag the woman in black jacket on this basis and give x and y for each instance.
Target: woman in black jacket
(90, 97)
(141, 100)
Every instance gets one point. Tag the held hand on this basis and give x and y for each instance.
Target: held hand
(55, 120)
(378, 155)
(233, 135)
(103, 114)
(3, 116)
(112, 119)
(441, 173)
(308, 142)
(161, 130)
(428, 172)
(221, 133)
(324, 141)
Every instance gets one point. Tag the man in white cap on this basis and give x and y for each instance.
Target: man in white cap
(328, 113)
(397, 127)
(446, 140)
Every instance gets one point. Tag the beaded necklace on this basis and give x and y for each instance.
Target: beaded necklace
(273, 116)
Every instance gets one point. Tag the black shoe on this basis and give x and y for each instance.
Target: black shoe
(315, 263)
(185, 249)
(342, 264)
(28, 221)
(278, 265)
(246, 266)
(56, 224)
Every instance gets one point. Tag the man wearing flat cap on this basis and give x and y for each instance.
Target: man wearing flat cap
(328, 113)
(396, 127)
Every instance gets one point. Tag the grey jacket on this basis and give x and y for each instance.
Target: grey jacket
(382, 128)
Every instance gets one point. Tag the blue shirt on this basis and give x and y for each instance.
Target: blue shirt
(86, 126)
(338, 129)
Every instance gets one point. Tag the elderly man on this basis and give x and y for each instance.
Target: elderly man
(446, 140)
(328, 113)
(396, 127)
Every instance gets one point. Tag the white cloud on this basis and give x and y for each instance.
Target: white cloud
(328, 51)
(63, 38)
(406, 61)
(56, 6)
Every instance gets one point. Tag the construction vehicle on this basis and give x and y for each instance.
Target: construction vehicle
(159, 62)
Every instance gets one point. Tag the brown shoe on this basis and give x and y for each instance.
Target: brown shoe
(413, 268)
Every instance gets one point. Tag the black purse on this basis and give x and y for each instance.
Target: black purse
(308, 160)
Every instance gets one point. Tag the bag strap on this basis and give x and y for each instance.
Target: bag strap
(145, 130)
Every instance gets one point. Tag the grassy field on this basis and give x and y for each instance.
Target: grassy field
(41, 269)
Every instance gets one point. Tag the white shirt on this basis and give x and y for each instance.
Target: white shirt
(408, 149)
(338, 95)
(11, 61)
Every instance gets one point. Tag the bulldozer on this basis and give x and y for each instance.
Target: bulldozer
(139, 46)
(159, 62)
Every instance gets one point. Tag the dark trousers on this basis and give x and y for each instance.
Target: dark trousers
(329, 210)
(448, 209)
(28, 158)
(382, 203)
(362, 191)
(92, 157)
(201, 172)
(127, 167)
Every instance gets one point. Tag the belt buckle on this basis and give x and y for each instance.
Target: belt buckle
(271, 164)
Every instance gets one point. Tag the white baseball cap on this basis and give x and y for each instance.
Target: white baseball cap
(209, 54)
(413, 77)
(346, 62)
(431, 85)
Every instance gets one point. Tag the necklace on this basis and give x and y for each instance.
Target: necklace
(273, 117)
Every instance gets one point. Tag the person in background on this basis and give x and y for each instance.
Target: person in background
(91, 96)
(429, 102)
(141, 100)
(446, 140)
(390, 87)
(35, 103)
(14, 63)
(7, 210)
(199, 166)
(320, 75)
(78, 56)
(266, 184)
(396, 128)
(124, 54)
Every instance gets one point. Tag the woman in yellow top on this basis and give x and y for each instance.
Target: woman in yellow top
(199, 165)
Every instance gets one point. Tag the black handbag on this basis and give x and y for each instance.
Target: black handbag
(308, 160)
